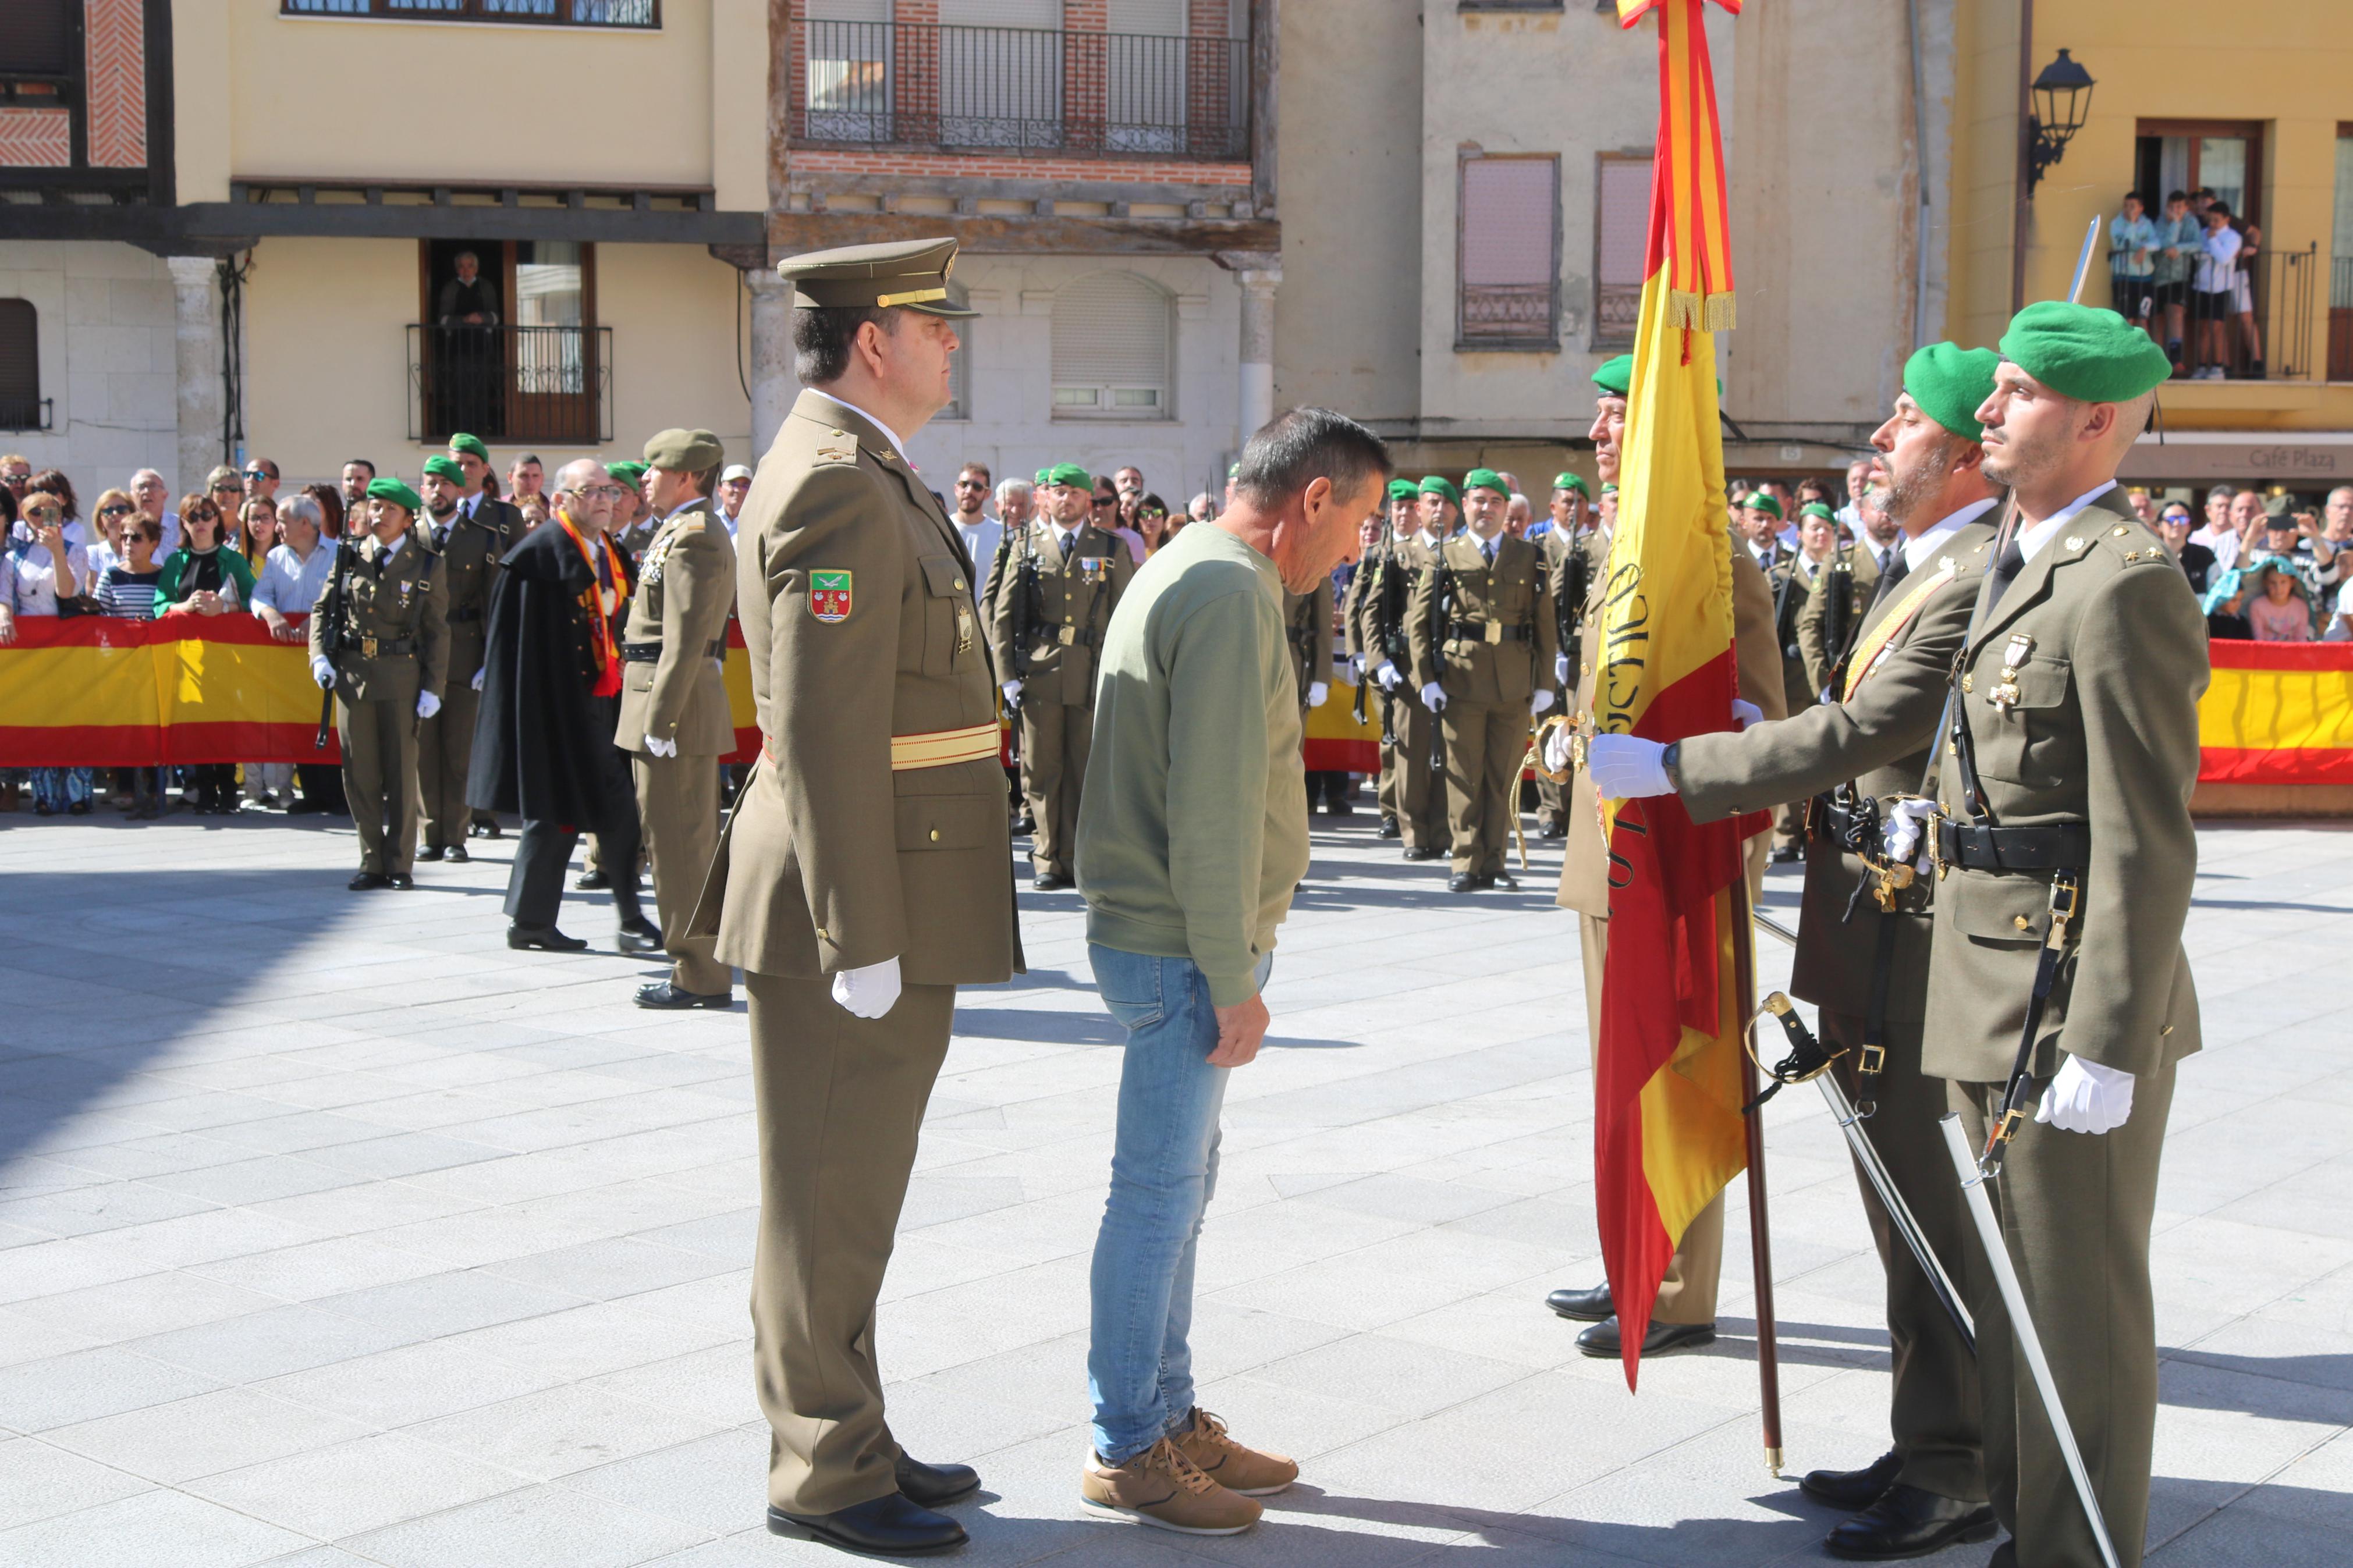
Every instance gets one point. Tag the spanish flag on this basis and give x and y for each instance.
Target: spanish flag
(1667, 1126)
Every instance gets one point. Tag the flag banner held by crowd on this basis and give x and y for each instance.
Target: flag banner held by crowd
(1668, 1132)
(2277, 713)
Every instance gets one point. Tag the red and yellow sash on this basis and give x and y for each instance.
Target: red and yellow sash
(592, 599)
(1867, 652)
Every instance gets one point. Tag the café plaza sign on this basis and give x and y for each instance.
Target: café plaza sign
(2314, 458)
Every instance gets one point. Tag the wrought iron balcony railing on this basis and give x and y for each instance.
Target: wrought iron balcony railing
(514, 384)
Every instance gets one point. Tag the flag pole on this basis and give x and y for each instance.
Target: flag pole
(1760, 1234)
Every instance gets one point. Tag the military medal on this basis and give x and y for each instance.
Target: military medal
(2005, 696)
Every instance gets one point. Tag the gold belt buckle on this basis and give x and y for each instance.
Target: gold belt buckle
(367, 647)
(1494, 634)
(1067, 636)
(1873, 1060)
(1935, 827)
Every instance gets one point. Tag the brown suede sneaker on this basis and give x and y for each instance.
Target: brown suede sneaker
(1230, 1464)
(1163, 1489)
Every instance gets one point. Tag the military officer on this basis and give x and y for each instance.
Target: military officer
(633, 520)
(1481, 632)
(674, 718)
(1307, 622)
(1791, 577)
(380, 639)
(1863, 960)
(2075, 756)
(1062, 579)
(1413, 807)
(1832, 617)
(468, 554)
(865, 872)
(469, 619)
(1569, 565)
(1684, 1312)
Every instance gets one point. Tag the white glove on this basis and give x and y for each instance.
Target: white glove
(2085, 1096)
(661, 748)
(870, 991)
(1012, 689)
(480, 675)
(1389, 677)
(1556, 752)
(1316, 692)
(1627, 767)
(1433, 697)
(1539, 702)
(1560, 668)
(1355, 666)
(322, 672)
(428, 705)
(1745, 713)
(1899, 833)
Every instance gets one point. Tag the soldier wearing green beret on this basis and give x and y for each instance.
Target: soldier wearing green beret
(674, 719)
(1062, 578)
(469, 614)
(468, 553)
(1864, 931)
(1569, 567)
(380, 640)
(865, 872)
(633, 522)
(1412, 804)
(2075, 754)
(1481, 634)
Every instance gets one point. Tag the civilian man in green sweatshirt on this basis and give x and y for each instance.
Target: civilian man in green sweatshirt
(1192, 834)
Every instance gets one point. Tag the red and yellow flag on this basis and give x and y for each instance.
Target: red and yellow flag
(1667, 1127)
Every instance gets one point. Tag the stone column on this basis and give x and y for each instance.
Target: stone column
(196, 316)
(1255, 404)
(773, 385)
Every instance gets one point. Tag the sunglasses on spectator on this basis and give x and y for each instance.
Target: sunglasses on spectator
(228, 486)
(972, 484)
(16, 481)
(113, 512)
(256, 473)
(592, 492)
(1106, 501)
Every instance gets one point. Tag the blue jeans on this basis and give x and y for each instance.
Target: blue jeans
(1163, 1170)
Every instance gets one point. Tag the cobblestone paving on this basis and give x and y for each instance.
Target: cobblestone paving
(333, 1232)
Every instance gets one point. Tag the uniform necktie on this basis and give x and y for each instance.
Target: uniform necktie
(1892, 575)
(2005, 573)
(1487, 548)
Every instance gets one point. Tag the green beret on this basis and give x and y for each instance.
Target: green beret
(2084, 353)
(1570, 482)
(1950, 383)
(1233, 470)
(1486, 479)
(1404, 489)
(1614, 376)
(392, 490)
(447, 468)
(1068, 474)
(1816, 508)
(1041, 477)
(470, 445)
(1610, 486)
(628, 473)
(685, 451)
(1439, 485)
(1763, 501)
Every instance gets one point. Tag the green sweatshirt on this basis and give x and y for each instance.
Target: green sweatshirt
(1193, 824)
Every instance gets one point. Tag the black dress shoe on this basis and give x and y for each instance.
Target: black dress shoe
(638, 934)
(1419, 852)
(1024, 826)
(931, 1486)
(1787, 855)
(1050, 883)
(432, 852)
(1851, 1491)
(1586, 1305)
(1908, 1522)
(458, 856)
(665, 996)
(400, 879)
(1601, 1339)
(305, 808)
(485, 829)
(547, 939)
(368, 881)
(889, 1526)
(1389, 828)
(591, 881)
(1339, 808)
(1462, 882)
(1553, 830)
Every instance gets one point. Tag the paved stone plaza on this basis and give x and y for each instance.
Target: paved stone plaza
(336, 1233)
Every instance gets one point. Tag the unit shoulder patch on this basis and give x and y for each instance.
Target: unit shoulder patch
(830, 595)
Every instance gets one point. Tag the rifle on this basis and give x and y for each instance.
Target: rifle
(1364, 677)
(1442, 605)
(332, 607)
(1568, 609)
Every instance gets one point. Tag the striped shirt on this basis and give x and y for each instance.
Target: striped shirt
(128, 594)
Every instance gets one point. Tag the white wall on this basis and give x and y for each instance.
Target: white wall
(107, 359)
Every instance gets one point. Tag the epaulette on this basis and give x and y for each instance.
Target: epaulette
(2132, 545)
(837, 447)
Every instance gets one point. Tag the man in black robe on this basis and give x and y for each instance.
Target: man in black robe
(551, 698)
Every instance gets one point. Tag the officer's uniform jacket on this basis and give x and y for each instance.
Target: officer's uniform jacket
(469, 553)
(1860, 579)
(1510, 602)
(1053, 654)
(2081, 697)
(1791, 588)
(1560, 553)
(686, 585)
(1390, 567)
(396, 631)
(1307, 625)
(1879, 736)
(1585, 860)
(867, 661)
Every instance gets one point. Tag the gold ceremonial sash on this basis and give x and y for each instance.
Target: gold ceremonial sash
(1867, 653)
(941, 747)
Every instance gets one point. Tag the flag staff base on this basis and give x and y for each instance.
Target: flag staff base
(1760, 1236)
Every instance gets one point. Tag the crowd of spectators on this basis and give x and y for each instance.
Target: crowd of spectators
(2186, 275)
(2265, 568)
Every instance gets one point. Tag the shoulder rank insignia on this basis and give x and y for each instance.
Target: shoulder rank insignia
(830, 595)
(837, 447)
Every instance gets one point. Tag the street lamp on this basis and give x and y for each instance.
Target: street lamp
(2063, 97)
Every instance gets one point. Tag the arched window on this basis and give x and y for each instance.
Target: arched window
(1114, 357)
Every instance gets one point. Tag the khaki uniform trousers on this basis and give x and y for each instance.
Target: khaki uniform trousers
(1485, 743)
(2076, 1211)
(839, 1100)
(678, 807)
(445, 753)
(1409, 792)
(1552, 807)
(1687, 1295)
(379, 741)
(1055, 739)
(1933, 1413)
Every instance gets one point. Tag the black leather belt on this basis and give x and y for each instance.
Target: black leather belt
(381, 647)
(650, 652)
(459, 618)
(2055, 846)
(1483, 632)
(1856, 831)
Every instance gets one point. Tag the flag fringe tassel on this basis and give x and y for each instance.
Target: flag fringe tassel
(1704, 313)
